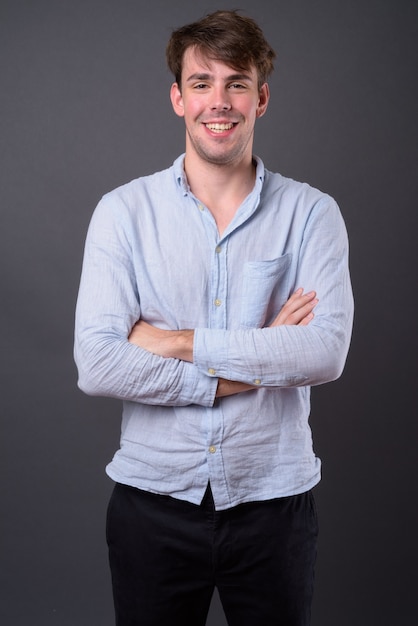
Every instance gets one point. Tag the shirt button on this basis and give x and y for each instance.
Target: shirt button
(218, 249)
(211, 371)
(217, 302)
(200, 207)
(257, 381)
(212, 449)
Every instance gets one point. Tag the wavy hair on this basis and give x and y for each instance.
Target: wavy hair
(224, 36)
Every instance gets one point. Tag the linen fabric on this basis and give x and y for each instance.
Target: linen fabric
(153, 252)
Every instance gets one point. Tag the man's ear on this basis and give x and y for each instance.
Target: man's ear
(177, 100)
(264, 97)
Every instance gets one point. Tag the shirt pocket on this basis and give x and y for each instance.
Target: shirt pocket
(265, 289)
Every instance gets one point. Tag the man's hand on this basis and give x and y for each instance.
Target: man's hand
(298, 310)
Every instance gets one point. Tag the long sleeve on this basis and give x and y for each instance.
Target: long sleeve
(289, 356)
(107, 308)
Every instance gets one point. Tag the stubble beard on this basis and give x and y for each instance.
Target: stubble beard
(219, 157)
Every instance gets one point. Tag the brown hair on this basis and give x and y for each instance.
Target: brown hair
(223, 36)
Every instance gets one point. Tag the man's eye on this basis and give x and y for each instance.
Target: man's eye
(237, 86)
(200, 86)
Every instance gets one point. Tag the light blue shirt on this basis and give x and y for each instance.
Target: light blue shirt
(153, 252)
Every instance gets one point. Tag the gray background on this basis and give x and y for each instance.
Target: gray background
(84, 108)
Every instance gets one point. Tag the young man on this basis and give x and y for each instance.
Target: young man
(196, 309)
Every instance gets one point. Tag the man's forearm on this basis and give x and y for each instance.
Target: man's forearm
(181, 345)
(174, 344)
(178, 344)
(230, 388)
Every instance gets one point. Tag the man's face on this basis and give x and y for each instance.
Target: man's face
(220, 106)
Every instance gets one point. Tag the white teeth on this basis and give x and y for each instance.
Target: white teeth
(219, 128)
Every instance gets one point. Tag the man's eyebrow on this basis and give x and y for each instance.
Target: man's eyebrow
(204, 76)
(198, 76)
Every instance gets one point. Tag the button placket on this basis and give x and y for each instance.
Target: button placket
(219, 286)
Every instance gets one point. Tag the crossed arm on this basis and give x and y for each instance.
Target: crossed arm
(178, 344)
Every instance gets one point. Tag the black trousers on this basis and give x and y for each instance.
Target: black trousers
(167, 556)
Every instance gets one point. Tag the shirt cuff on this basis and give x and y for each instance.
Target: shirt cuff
(198, 388)
(210, 352)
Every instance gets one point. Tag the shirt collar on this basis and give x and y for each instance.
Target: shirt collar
(180, 174)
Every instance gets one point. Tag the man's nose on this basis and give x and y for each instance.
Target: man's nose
(220, 100)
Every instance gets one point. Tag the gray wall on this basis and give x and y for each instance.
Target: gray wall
(84, 108)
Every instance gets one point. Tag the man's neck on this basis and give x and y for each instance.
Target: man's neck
(221, 188)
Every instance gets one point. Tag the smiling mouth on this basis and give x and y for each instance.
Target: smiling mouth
(219, 128)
